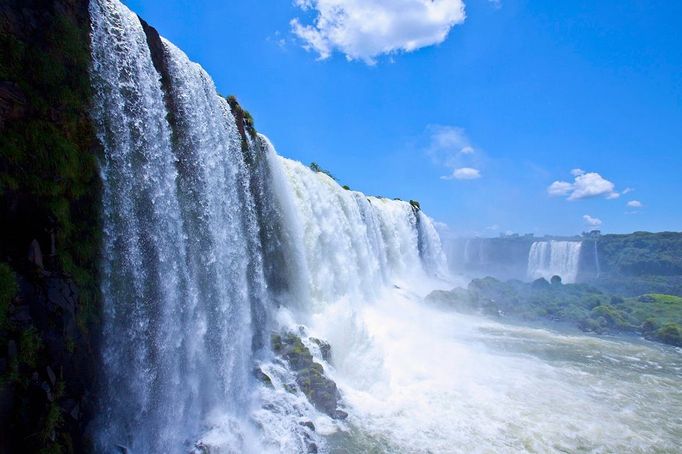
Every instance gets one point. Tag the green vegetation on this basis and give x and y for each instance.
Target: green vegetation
(636, 263)
(657, 317)
(642, 254)
(30, 345)
(244, 115)
(346, 187)
(310, 377)
(316, 168)
(48, 165)
(245, 125)
(49, 193)
(415, 205)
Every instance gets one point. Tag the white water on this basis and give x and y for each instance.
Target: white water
(208, 247)
(454, 383)
(554, 258)
(179, 274)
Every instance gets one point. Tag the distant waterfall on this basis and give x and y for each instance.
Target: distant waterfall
(554, 258)
(205, 234)
(597, 263)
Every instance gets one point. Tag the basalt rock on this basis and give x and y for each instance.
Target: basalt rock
(310, 378)
(325, 349)
(50, 225)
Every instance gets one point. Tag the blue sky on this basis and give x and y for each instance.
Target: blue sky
(538, 116)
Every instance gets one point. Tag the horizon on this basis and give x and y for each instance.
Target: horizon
(570, 111)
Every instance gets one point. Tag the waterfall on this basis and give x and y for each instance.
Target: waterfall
(554, 258)
(353, 245)
(206, 233)
(181, 267)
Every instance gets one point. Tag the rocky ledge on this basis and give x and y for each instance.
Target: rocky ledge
(310, 377)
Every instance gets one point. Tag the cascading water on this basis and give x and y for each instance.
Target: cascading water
(353, 244)
(181, 271)
(211, 242)
(206, 233)
(554, 258)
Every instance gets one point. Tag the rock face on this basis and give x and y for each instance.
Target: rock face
(310, 378)
(12, 102)
(49, 199)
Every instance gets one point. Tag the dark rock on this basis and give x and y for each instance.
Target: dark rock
(13, 102)
(11, 351)
(48, 391)
(320, 390)
(35, 255)
(262, 377)
(75, 412)
(21, 315)
(62, 293)
(51, 375)
(340, 414)
(308, 424)
(325, 349)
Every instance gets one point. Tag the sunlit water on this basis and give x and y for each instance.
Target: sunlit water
(210, 243)
(431, 381)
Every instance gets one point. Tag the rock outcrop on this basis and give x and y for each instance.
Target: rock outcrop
(49, 232)
(310, 377)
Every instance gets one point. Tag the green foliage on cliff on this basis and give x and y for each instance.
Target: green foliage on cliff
(658, 317)
(243, 118)
(315, 167)
(49, 192)
(48, 167)
(642, 253)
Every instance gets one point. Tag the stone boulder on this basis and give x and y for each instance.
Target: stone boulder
(310, 378)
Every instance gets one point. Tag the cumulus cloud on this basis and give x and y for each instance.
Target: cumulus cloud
(592, 222)
(463, 173)
(366, 29)
(628, 190)
(635, 204)
(584, 186)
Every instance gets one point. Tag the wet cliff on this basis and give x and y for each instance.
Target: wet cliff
(49, 232)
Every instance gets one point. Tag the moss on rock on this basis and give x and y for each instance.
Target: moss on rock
(310, 378)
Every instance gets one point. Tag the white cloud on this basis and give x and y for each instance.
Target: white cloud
(449, 146)
(365, 29)
(584, 186)
(559, 188)
(448, 143)
(464, 173)
(627, 190)
(635, 204)
(592, 222)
